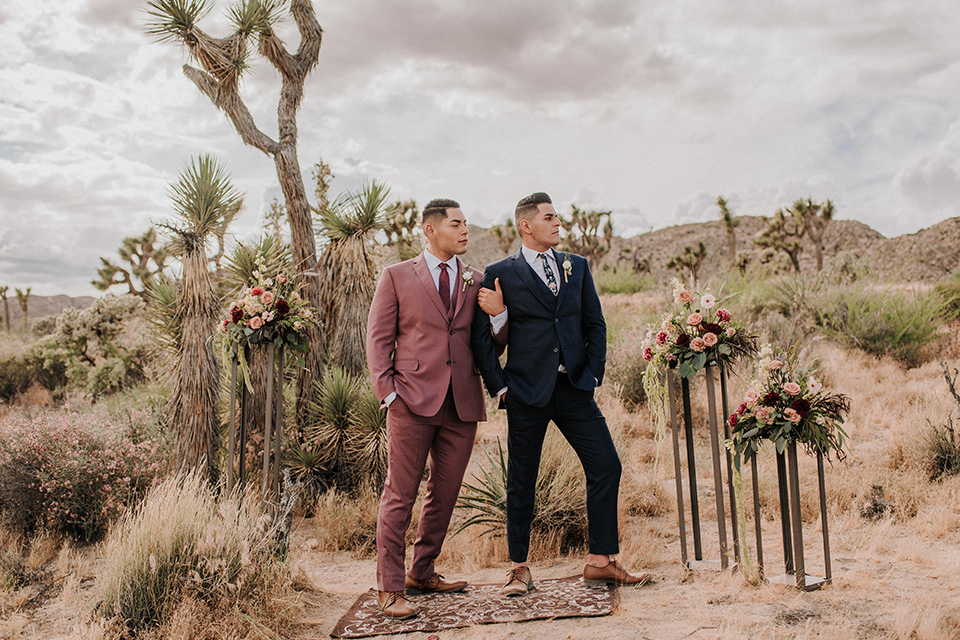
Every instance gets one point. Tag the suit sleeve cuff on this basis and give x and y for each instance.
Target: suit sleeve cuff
(390, 398)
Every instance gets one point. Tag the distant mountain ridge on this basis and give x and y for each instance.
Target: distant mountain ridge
(928, 254)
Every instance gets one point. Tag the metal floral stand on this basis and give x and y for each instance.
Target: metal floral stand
(788, 482)
(715, 446)
(271, 429)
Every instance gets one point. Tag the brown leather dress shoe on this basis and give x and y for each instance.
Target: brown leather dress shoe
(519, 582)
(394, 604)
(613, 573)
(433, 584)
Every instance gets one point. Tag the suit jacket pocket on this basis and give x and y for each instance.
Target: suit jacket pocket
(406, 364)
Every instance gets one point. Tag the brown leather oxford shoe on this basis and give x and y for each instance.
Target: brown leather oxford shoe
(394, 604)
(433, 584)
(519, 582)
(613, 573)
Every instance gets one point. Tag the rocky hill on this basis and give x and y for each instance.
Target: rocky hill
(44, 306)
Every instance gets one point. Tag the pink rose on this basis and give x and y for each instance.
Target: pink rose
(723, 315)
(773, 365)
(752, 397)
(697, 345)
(762, 413)
(731, 332)
(791, 415)
(648, 354)
(255, 322)
(662, 337)
(710, 339)
(791, 388)
(282, 279)
(256, 291)
(694, 319)
(267, 297)
(684, 296)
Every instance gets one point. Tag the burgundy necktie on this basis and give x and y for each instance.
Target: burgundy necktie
(444, 286)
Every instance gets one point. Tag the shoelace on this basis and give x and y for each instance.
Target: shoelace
(514, 574)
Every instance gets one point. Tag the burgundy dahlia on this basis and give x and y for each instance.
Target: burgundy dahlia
(713, 327)
(236, 314)
(801, 406)
(770, 399)
(282, 306)
(683, 340)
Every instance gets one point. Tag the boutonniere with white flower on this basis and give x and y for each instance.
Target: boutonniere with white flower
(467, 276)
(567, 268)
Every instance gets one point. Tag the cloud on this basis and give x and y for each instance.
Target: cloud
(933, 181)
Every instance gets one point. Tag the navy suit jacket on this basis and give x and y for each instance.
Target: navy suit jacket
(543, 329)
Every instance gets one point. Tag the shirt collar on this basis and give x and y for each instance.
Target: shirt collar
(433, 262)
(530, 255)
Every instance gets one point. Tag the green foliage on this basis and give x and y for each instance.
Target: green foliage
(206, 202)
(486, 495)
(883, 323)
(941, 450)
(949, 291)
(182, 543)
(355, 214)
(622, 280)
(626, 367)
(400, 226)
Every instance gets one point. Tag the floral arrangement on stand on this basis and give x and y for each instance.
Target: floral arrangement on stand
(787, 403)
(270, 312)
(697, 331)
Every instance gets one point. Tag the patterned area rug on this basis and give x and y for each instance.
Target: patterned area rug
(481, 604)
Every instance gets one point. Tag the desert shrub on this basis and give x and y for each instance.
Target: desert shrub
(71, 473)
(622, 279)
(348, 523)
(180, 545)
(15, 377)
(882, 323)
(940, 450)
(626, 367)
(345, 435)
(949, 291)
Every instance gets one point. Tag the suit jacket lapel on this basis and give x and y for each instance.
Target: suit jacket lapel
(423, 272)
(460, 291)
(533, 281)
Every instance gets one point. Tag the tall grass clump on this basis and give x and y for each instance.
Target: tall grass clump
(621, 279)
(72, 473)
(882, 323)
(626, 367)
(183, 549)
(949, 291)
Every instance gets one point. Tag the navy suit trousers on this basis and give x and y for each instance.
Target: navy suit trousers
(579, 419)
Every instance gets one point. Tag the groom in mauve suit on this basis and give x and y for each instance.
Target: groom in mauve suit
(556, 355)
(422, 369)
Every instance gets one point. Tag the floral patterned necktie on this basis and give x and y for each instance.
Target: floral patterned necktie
(551, 279)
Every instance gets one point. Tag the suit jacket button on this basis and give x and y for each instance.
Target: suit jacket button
(451, 331)
(448, 362)
(555, 350)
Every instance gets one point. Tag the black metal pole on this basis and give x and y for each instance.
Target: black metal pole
(691, 468)
(717, 473)
(784, 513)
(726, 435)
(677, 474)
(828, 573)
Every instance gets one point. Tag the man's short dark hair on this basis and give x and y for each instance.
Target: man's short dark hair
(437, 208)
(530, 204)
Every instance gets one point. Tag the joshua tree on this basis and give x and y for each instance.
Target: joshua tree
(138, 252)
(222, 62)
(814, 216)
(348, 287)
(203, 199)
(586, 241)
(783, 232)
(690, 260)
(23, 299)
(505, 234)
(6, 305)
(400, 226)
(730, 224)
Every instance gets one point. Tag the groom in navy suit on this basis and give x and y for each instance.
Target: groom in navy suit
(556, 353)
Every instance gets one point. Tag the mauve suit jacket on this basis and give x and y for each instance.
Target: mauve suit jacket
(418, 349)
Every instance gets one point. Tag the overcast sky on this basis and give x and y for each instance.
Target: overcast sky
(650, 108)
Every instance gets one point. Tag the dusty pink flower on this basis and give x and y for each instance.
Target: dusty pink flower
(694, 319)
(762, 413)
(267, 316)
(710, 339)
(731, 332)
(773, 365)
(684, 296)
(256, 291)
(791, 415)
(662, 337)
(648, 354)
(723, 315)
(298, 325)
(752, 396)
(267, 297)
(707, 301)
(791, 388)
(697, 345)
(255, 322)
(282, 279)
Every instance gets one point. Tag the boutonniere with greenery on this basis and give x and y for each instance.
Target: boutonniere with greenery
(567, 268)
(467, 276)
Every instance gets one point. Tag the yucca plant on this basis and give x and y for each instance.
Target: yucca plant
(164, 323)
(486, 495)
(331, 420)
(350, 274)
(203, 199)
(369, 443)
